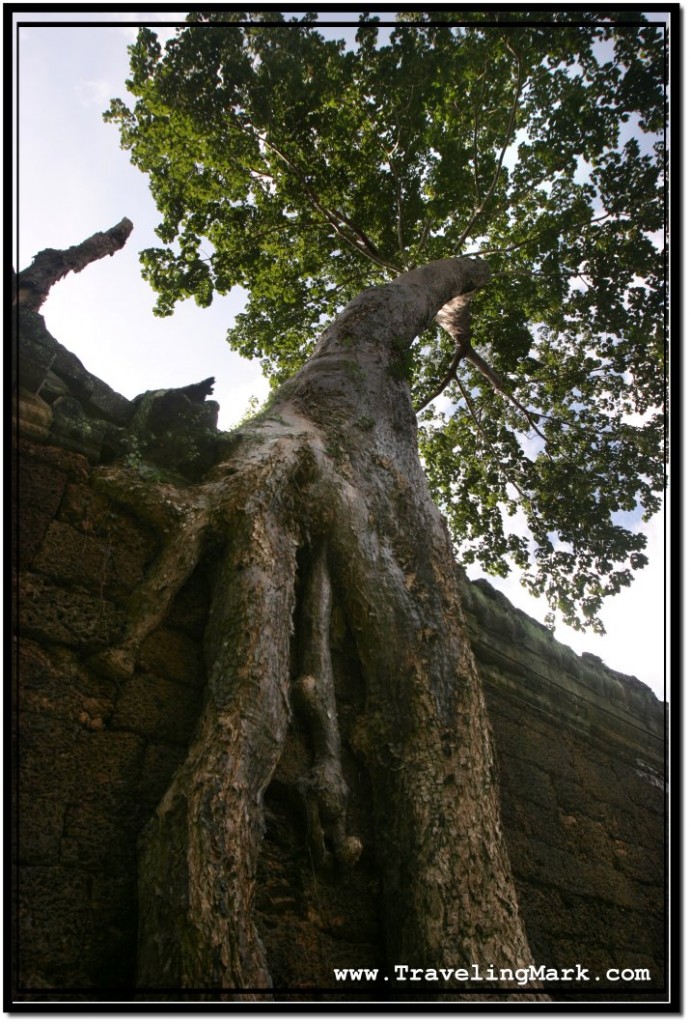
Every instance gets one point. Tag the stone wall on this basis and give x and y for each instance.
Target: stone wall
(94, 757)
(581, 748)
(582, 764)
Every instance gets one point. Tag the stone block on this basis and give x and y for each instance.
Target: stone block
(33, 417)
(110, 763)
(161, 761)
(640, 863)
(52, 683)
(102, 819)
(41, 353)
(74, 466)
(174, 656)
(52, 614)
(532, 781)
(45, 758)
(53, 910)
(157, 709)
(70, 556)
(73, 430)
(40, 822)
(129, 545)
(40, 488)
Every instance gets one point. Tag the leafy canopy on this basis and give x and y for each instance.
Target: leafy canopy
(307, 169)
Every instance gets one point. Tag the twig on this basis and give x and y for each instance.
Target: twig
(336, 218)
(498, 384)
(479, 210)
(448, 377)
(470, 406)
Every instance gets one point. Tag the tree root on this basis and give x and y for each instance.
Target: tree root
(242, 729)
(367, 526)
(325, 790)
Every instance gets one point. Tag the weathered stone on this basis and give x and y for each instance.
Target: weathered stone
(53, 387)
(36, 457)
(48, 613)
(40, 488)
(176, 430)
(589, 863)
(158, 709)
(172, 656)
(53, 906)
(41, 354)
(33, 417)
(38, 349)
(55, 686)
(596, 701)
(73, 430)
(101, 818)
(42, 822)
(580, 760)
(132, 543)
(71, 556)
(533, 780)
(46, 754)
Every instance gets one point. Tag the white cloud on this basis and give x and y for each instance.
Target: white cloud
(75, 180)
(94, 94)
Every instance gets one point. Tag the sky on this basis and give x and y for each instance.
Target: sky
(73, 179)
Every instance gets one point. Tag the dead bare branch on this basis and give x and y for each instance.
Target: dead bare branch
(51, 265)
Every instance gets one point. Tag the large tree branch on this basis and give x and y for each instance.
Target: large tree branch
(50, 265)
(581, 226)
(476, 112)
(427, 291)
(398, 311)
(498, 384)
(444, 382)
(454, 317)
(479, 210)
(339, 221)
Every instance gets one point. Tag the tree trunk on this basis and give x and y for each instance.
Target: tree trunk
(328, 479)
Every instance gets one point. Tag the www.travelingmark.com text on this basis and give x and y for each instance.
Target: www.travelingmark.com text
(474, 973)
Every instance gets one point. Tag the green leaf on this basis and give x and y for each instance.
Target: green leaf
(307, 169)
